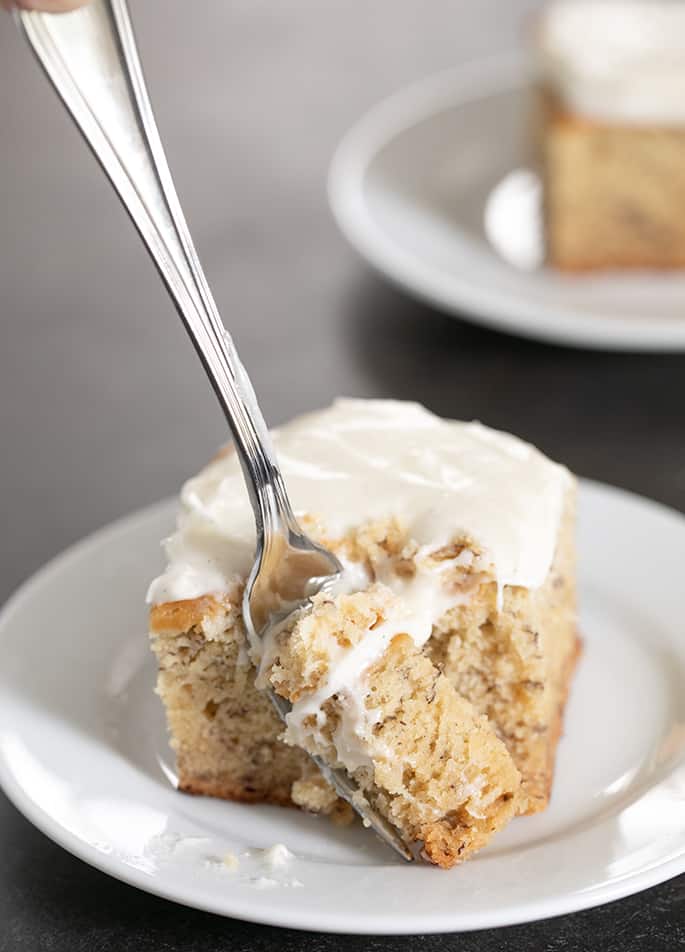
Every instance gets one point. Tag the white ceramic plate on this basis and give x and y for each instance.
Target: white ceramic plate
(413, 183)
(84, 756)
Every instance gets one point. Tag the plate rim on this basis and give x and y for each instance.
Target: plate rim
(235, 905)
(457, 295)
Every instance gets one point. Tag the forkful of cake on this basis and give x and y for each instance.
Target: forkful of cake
(343, 665)
(91, 58)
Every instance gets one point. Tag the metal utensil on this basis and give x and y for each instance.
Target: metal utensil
(91, 58)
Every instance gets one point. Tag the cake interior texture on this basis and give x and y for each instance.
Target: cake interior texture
(613, 193)
(451, 707)
(419, 752)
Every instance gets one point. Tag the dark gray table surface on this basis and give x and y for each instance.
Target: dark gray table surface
(103, 407)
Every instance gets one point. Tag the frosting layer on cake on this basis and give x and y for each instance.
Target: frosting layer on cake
(616, 60)
(363, 461)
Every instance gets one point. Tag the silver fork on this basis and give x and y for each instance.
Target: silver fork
(91, 58)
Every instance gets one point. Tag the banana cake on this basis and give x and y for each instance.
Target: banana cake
(436, 673)
(612, 133)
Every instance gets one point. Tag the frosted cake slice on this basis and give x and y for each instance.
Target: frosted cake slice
(465, 536)
(612, 132)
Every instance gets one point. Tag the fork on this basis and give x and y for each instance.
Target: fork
(91, 58)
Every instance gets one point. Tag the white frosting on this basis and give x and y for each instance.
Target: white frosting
(616, 60)
(364, 460)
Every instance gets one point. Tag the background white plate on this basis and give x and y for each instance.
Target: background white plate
(83, 752)
(409, 186)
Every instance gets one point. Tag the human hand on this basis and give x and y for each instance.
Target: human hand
(45, 6)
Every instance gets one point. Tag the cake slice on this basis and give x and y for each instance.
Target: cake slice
(612, 133)
(467, 534)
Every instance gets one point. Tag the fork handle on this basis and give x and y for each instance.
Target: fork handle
(91, 58)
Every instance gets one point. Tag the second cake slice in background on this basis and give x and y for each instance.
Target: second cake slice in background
(613, 133)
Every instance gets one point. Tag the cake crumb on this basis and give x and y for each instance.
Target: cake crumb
(263, 882)
(277, 856)
(231, 861)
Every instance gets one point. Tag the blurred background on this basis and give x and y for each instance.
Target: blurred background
(104, 407)
(103, 404)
